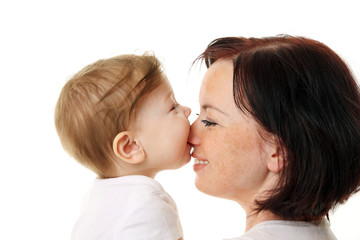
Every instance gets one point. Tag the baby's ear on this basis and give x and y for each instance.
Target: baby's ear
(127, 148)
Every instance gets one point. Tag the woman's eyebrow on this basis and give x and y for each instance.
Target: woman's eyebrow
(208, 106)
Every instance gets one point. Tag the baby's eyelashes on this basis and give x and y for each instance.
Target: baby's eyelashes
(175, 106)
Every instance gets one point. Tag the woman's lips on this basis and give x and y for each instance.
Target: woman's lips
(199, 163)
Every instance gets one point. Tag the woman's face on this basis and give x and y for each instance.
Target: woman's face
(231, 158)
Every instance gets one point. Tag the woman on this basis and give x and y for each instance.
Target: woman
(279, 133)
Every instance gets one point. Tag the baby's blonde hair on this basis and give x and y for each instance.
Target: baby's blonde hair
(98, 102)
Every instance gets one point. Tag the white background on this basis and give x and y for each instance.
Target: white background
(43, 43)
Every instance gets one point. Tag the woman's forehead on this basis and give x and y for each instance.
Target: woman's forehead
(217, 82)
(216, 92)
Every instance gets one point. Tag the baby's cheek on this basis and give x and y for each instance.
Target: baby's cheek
(182, 130)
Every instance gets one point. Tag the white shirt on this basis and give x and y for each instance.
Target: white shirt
(130, 208)
(288, 230)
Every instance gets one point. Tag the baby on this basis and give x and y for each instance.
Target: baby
(119, 118)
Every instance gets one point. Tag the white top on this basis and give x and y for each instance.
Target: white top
(286, 230)
(131, 208)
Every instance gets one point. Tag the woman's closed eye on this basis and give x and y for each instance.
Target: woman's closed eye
(208, 123)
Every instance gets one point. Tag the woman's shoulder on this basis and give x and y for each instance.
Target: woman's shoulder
(284, 230)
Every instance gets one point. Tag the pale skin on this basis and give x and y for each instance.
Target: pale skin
(157, 139)
(232, 160)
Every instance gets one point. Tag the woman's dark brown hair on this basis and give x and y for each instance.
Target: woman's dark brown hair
(302, 92)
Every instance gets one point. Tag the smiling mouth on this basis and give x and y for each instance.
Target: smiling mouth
(197, 161)
(200, 164)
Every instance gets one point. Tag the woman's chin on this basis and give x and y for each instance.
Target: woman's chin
(202, 187)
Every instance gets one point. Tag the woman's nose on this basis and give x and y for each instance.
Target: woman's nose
(193, 138)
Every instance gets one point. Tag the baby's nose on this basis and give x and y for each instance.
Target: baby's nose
(187, 111)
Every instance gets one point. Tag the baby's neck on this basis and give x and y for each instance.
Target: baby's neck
(126, 170)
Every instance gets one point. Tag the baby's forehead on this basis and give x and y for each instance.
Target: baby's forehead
(156, 96)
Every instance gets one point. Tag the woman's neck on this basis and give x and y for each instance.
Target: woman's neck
(256, 218)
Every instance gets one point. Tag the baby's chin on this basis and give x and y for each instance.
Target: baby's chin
(187, 154)
(182, 159)
(185, 160)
